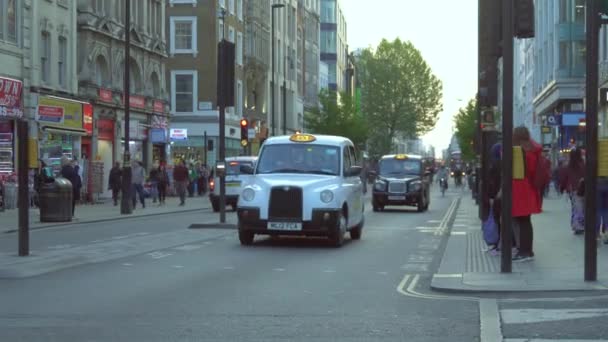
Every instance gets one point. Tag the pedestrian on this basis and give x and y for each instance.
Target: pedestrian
(573, 173)
(70, 173)
(163, 183)
(154, 179)
(180, 177)
(192, 185)
(526, 198)
(115, 182)
(138, 175)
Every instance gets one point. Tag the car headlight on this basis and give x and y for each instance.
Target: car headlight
(416, 186)
(380, 186)
(327, 196)
(248, 195)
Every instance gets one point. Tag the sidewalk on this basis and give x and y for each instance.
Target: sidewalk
(558, 264)
(87, 213)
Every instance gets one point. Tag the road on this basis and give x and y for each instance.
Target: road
(156, 280)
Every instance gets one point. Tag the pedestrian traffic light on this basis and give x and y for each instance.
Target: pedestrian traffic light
(244, 132)
(524, 18)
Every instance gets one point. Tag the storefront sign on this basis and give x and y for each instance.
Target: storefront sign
(87, 118)
(56, 110)
(158, 135)
(160, 121)
(10, 97)
(136, 101)
(105, 95)
(159, 107)
(179, 134)
(105, 129)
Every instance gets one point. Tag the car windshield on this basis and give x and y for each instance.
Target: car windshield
(234, 167)
(400, 167)
(300, 158)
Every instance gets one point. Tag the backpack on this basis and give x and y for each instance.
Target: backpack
(490, 230)
(542, 177)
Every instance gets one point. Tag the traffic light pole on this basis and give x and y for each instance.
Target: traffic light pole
(506, 231)
(126, 207)
(222, 135)
(591, 136)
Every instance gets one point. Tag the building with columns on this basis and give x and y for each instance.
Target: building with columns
(100, 70)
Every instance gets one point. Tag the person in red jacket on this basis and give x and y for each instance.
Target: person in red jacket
(180, 176)
(526, 198)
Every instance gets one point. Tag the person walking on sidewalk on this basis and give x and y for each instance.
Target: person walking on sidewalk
(163, 183)
(571, 178)
(526, 197)
(115, 182)
(180, 177)
(137, 183)
(154, 179)
(70, 173)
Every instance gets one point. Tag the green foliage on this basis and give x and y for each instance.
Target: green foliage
(337, 116)
(401, 97)
(466, 129)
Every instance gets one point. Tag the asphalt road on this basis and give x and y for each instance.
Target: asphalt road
(156, 280)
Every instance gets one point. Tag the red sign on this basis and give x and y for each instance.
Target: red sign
(159, 107)
(50, 113)
(87, 115)
(105, 95)
(105, 129)
(136, 101)
(10, 97)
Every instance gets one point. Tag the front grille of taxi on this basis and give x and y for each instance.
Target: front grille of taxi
(285, 203)
(397, 187)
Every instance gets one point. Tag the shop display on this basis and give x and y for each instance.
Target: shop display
(96, 173)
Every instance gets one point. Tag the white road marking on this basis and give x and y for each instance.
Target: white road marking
(59, 246)
(489, 318)
(178, 266)
(383, 273)
(329, 271)
(127, 264)
(459, 233)
(279, 269)
(519, 316)
(433, 221)
(448, 275)
(187, 248)
(159, 255)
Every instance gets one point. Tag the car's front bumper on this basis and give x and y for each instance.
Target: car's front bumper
(324, 221)
(385, 198)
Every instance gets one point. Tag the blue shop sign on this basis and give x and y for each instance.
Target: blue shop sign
(158, 135)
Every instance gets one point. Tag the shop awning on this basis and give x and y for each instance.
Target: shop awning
(59, 129)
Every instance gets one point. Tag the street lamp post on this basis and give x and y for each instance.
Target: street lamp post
(274, 7)
(125, 202)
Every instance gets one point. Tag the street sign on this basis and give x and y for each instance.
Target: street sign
(251, 133)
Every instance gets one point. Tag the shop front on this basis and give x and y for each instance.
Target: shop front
(10, 110)
(60, 125)
(138, 140)
(158, 133)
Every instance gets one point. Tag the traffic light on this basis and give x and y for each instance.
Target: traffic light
(524, 18)
(244, 132)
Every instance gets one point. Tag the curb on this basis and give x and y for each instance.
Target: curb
(73, 223)
(461, 288)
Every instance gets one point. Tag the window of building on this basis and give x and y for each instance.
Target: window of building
(579, 11)
(9, 21)
(239, 9)
(193, 2)
(231, 34)
(239, 98)
(239, 48)
(220, 31)
(183, 35)
(231, 8)
(328, 11)
(61, 62)
(45, 57)
(222, 3)
(183, 91)
(564, 60)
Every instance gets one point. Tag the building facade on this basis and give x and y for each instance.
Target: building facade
(523, 81)
(334, 47)
(194, 30)
(309, 54)
(101, 63)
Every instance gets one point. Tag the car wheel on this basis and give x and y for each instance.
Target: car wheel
(337, 236)
(215, 205)
(246, 238)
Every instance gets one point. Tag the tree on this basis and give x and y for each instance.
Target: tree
(337, 115)
(401, 97)
(466, 128)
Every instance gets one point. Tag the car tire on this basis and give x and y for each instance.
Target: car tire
(337, 236)
(215, 205)
(246, 238)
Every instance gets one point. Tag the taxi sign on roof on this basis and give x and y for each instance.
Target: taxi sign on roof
(401, 156)
(302, 138)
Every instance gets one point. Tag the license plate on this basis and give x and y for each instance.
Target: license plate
(396, 198)
(289, 226)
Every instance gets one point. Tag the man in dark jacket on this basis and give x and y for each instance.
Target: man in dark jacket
(115, 182)
(180, 176)
(70, 173)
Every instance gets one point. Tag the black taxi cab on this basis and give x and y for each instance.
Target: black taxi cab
(401, 180)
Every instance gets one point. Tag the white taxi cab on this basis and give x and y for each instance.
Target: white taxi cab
(306, 185)
(234, 181)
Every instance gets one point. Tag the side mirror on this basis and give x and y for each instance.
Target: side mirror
(246, 169)
(353, 171)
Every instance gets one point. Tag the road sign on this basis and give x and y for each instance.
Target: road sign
(251, 133)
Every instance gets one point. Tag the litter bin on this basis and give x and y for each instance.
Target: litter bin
(56, 201)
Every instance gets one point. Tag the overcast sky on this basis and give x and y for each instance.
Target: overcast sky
(445, 31)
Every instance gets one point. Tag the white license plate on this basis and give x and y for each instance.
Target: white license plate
(289, 226)
(396, 198)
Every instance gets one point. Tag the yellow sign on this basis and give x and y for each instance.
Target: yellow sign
(303, 138)
(51, 108)
(519, 169)
(32, 153)
(602, 158)
(401, 156)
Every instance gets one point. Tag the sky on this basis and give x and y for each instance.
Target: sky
(445, 32)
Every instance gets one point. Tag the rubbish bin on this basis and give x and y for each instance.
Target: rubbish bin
(56, 201)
